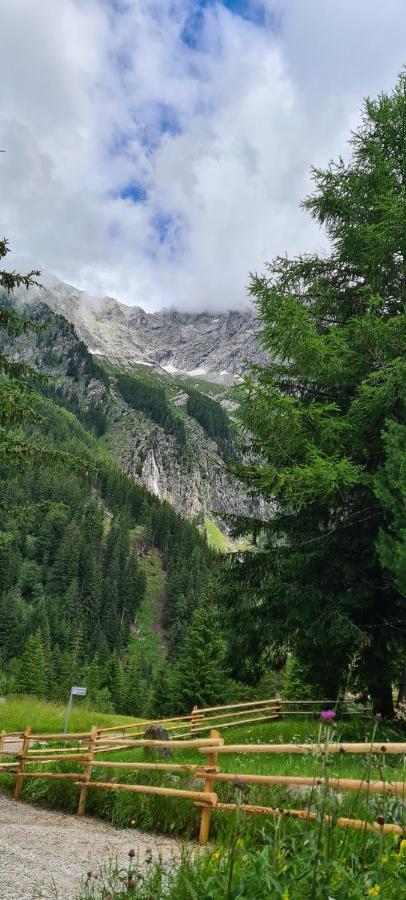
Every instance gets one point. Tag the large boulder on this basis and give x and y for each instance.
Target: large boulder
(157, 732)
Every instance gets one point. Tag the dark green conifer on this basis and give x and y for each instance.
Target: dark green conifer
(201, 670)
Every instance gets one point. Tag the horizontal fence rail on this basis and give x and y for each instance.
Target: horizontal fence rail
(336, 784)
(200, 720)
(305, 814)
(232, 715)
(365, 747)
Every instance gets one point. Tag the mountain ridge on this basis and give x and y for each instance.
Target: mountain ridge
(214, 347)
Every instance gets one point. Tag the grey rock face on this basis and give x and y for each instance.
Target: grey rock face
(207, 346)
(197, 486)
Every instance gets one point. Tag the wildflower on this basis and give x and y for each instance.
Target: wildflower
(374, 891)
(131, 853)
(402, 846)
(133, 822)
(327, 715)
(285, 895)
(384, 860)
(377, 715)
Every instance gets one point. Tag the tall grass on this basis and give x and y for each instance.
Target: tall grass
(288, 866)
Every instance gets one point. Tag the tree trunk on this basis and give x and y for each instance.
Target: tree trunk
(402, 686)
(382, 699)
(379, 676)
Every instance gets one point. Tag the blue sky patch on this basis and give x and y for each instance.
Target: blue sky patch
(251, 10)
(133, 192)
(193, 26)
(162, 223)
(170, 231)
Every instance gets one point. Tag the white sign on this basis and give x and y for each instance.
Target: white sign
(78, 692)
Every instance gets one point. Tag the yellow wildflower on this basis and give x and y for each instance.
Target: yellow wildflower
(282, 869)
(374, 891)
(384, 860)
(133, 822)
(402, 848)
(285, 895)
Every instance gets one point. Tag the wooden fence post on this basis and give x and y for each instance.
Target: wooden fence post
(21, 764)
(208, 789)
(87, 772)
(194, 720)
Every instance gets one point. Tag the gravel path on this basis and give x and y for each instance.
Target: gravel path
(38, 846)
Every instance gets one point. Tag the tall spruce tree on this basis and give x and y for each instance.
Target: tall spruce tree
(163, 699)
(201, 670)
(136, 687)
(33, 669)
(334, 326)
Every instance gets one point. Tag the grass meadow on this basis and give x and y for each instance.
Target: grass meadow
(46, 717)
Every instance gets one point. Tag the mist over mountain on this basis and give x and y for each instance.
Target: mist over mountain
(212, 347)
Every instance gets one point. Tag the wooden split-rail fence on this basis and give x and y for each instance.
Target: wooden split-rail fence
(85, 749)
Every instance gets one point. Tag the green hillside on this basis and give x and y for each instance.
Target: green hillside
(79, 601)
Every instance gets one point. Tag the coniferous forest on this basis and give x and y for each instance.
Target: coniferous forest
(71, 583)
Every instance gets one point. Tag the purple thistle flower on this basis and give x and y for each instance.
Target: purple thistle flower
(327, 715)
(238, 783)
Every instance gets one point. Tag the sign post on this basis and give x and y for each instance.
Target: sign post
(74, 692)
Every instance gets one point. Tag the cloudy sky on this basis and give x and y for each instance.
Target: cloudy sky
(157, 150)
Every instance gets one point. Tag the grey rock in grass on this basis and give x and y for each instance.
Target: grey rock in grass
(172, 779)
(195, 784)
(157, 733)
(313, 792)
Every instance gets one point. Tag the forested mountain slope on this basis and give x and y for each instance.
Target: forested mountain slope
(71, 579)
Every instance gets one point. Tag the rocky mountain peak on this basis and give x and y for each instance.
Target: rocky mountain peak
(213, 347)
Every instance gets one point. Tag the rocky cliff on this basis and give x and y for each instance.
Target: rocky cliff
(214, 348)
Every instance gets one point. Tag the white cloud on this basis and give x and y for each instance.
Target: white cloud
(86, 88)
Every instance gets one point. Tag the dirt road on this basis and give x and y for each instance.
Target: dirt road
(45, 854)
